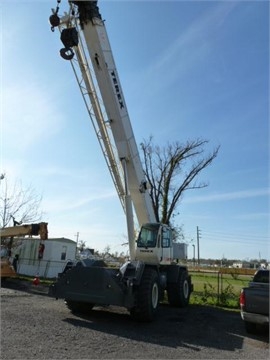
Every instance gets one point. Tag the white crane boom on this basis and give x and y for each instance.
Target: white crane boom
(109, 84)
(83, 30)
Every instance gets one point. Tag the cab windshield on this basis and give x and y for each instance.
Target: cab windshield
(148, 236)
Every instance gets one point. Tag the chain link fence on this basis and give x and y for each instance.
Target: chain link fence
(219, 288)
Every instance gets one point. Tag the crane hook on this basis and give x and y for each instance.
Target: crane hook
(67, 53)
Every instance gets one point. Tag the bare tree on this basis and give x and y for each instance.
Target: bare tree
(81, 245)
(171, 170)
(107, 250)
(18, 204)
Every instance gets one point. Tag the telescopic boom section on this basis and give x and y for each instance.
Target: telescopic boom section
(86, 44)
(101, 55)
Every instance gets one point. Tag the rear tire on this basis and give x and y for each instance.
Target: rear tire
(250, 327)
(179, 292)
(147, 297)
(79, 307)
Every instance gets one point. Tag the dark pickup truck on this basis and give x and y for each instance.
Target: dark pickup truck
(254, 301)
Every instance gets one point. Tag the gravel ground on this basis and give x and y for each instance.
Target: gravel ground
(35, 326)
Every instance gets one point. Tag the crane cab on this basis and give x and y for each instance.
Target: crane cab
(155, 245)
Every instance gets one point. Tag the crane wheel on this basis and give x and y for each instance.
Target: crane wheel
(78, 306)
(250, 327)
(147, 297)
(179, 292)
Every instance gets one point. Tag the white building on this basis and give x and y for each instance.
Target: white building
(55, 255)
(237, 265)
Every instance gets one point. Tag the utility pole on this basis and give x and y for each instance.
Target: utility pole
(77, 241)
(198, 244)
(77, 237)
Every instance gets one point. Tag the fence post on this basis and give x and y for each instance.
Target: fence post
(218, 288)
(221, 283)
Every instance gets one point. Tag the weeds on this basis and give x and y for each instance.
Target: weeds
(209, 294)
(228, 297)
(215, 290)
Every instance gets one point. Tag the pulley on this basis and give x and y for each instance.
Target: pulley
(54, 21)
(69, 38)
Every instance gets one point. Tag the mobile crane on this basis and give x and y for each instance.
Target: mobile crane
(39, 229)
(154, 267)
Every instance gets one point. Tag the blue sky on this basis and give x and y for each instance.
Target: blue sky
(189, 69)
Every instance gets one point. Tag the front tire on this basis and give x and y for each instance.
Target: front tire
(179, 292)
(147, 297)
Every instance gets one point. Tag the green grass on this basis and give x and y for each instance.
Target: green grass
(223, 290)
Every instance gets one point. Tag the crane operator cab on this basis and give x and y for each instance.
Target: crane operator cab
(155, 245)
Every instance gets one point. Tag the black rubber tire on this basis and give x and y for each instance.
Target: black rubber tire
(147, 297)
(179, 292)
(250, 327)
(79, 307)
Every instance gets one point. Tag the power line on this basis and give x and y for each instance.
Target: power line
(239, 235)
(219, 241)
(235, 240)
(217, 234)
(229, 238)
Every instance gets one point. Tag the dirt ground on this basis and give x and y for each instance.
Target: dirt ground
(35, 326)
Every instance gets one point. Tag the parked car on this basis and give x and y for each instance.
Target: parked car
(254, 301)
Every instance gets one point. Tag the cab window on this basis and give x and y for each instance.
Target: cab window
(166, 238)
